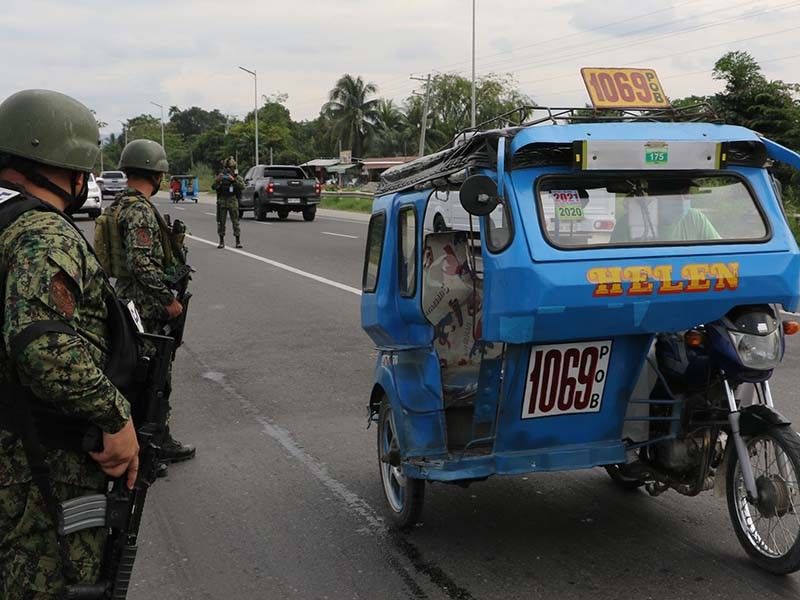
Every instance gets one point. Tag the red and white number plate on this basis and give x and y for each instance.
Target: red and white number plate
(566, 379)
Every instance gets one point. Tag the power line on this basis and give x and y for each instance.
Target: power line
(665, 56)
(675, 75)
(576, 50)
(582, 53)
(560, 38)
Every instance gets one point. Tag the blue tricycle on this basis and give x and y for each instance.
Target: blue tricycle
(641, 341)
(184, 187)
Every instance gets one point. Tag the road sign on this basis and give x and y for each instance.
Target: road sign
(624, 88)
(345, 157)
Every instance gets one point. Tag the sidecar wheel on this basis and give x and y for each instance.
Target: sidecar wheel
(626, 483)
(404, 495)
(770, 531)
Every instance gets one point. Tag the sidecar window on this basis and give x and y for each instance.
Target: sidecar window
(372, 260)
(499, 228)
(407, 238)
(648, 209)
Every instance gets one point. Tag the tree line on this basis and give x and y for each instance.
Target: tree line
(356, 118)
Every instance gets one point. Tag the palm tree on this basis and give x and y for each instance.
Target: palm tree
(352, 110)
(391, 131)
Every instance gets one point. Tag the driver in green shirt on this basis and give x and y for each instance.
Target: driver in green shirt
(677, 220)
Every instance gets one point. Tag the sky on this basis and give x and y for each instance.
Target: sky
(120, 57)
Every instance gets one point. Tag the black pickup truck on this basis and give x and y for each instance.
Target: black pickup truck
(279, 188)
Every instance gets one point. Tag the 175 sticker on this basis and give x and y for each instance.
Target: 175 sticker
(565, 379)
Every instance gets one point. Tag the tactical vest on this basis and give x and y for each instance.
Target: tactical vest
(108, 236)
(17, 402)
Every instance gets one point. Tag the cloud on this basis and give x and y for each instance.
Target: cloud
(119, 57)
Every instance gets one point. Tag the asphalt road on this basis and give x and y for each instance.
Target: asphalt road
(284, 499)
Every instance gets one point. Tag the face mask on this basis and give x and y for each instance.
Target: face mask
(673, 208)
(157, 184)
(79, 198)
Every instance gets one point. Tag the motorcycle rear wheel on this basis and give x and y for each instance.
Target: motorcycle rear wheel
(770, 531)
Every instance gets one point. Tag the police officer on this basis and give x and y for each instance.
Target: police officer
(148, 253)
(54, 347)
(229, 188)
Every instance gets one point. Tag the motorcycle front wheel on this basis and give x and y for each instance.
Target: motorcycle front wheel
(769, 531)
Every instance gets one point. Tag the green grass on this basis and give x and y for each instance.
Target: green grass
(348, 203)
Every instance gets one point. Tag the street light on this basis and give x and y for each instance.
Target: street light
(473, 63)
(161, 106)
(255, 103)
(125, 131)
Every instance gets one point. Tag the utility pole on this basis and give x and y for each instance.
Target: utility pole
(270, 155)
(255, 102)
(424, 124)
(124, 131)
(473, 66)
(161, 106)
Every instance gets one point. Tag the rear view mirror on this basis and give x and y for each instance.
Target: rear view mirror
(478, 195)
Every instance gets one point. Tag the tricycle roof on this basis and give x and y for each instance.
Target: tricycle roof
(638, 131)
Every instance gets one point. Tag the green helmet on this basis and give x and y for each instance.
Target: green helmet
(144, 155)
(50, 128)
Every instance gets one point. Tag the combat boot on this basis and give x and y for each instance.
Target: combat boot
(238, 242)
(221, 241)
(173, 451)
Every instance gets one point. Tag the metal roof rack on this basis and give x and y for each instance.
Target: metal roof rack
(476, 146)
(528, 116)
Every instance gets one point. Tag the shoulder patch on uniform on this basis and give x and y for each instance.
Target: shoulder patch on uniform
(143, 239)
(61, 294)
(6, 194)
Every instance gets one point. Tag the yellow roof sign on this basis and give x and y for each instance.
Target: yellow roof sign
(624, 88)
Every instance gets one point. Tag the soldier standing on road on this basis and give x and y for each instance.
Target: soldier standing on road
(228, 186)
(148, 253)
(55, 345)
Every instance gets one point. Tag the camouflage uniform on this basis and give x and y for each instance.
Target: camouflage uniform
(147, 249)
(228, 190)
(50, 273)
(147, 259)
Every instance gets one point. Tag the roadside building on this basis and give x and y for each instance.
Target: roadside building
(371, 168)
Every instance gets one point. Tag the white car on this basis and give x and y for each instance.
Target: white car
(445, 213)
(596, 218)
(112, 183)
(92, 206)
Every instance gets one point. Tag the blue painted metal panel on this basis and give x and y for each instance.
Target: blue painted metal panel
(390, 320)
(565, 134)
(517, 434)
(782, 153)
(553, 300)
(539, 294)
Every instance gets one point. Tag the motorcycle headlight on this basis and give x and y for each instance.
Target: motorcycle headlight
(761, 352)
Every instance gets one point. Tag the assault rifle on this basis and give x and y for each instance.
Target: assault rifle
(120, 511)
(178, 280)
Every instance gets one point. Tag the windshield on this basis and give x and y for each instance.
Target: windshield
(602, 210)
(112, 175)
(284, 173)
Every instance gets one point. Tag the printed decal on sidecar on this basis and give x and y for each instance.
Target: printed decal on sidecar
(566, 379)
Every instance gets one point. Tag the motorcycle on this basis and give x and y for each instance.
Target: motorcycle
(620, 300)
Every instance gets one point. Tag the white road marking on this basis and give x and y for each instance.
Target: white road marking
(210, 214)
(352, 237)
(179, 208)
(280, 265)
(354, 503)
